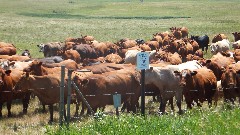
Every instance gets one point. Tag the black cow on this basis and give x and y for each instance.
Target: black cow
(202, 41)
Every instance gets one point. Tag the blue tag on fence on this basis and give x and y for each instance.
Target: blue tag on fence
(117, 100)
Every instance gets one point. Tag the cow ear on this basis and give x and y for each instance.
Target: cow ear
(193, 73)
(8, 72)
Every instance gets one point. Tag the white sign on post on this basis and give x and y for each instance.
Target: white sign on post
(143, 60)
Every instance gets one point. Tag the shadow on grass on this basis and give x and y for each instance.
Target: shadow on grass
(69, 16)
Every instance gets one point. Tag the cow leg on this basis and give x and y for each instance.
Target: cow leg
(171, 103)
(9, 105)
(44, 108)
(124, 107)
(82, 110)
(162, 106)
(77, 108)
(64, 113)
(51, 113)
(206, 48)
(154, 98)
(179, 102)
(25, 101)
(209, 102)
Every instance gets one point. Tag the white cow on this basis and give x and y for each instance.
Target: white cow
(131, 56)
(166, 81)
(220, 46)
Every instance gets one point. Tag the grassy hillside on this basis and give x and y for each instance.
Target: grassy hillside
(27, 23)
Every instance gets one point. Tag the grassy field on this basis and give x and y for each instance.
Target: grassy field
(27, 23)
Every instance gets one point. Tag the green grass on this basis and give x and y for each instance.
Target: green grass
(194, 122)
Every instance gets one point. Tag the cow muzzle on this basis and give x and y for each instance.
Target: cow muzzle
(182, 84)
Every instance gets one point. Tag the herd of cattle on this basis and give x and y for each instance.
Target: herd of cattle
(101, 69)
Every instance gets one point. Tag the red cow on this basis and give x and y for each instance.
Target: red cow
(198, 85)
(123, 82)
(230, 82)
(7, 94)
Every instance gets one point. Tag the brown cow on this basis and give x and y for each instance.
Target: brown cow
(73, 55)
(184, 50)
(15, 57)
(174, 59)
(46, 88)
(83, 40)
(36, 68)
(218, 37)
(107, 67)
(7, 49)
(185, 32)
(113, 58)
(126, 43)
(216, 63)
(124, 82)
(8, 93)
(230, 82)
(154, 45)
(198, 85)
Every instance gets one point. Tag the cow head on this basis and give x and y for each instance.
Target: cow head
(194, 37)
(6, 64)
(214, 67)
(23, 83)
(185, 76)
(34, 67)
(214, 48)
(3, 75)
(229, 77)
(26, 53)
(41, 47)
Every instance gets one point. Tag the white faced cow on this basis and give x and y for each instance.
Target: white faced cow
(166, 81)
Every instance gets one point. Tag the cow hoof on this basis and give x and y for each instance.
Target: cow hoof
(24, 112)
(50, 122)
(181, 112)
(10, 115)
